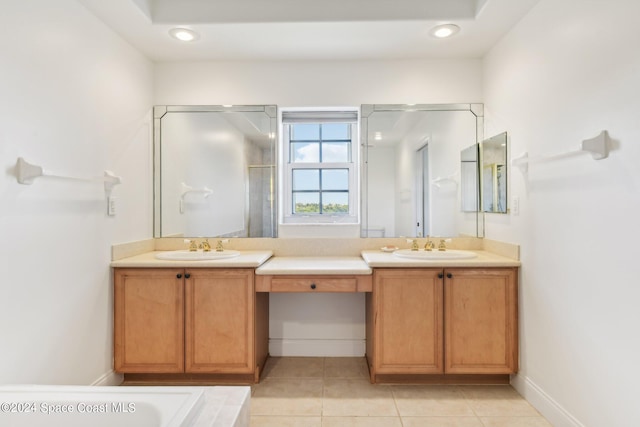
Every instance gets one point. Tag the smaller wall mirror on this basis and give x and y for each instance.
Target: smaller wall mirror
(493, 174)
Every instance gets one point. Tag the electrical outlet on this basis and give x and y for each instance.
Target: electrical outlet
(515, 206)
(111, 206)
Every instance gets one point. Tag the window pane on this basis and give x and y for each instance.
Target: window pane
(333, 152)
(335, 203)
(305, 152)
(305, 132)
(335, 131)
(306, 179)
(306, 203)
(335, 179)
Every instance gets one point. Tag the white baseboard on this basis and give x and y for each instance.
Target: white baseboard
(109, 379)
(316, 348)
(549, 408)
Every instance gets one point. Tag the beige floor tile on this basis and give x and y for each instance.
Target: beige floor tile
(345, 367)
(498, 401)
(441, 422)
(294, 367)
(335, 392)
(277, 421)
(361, 422)
(357, 397)
(431, 401)
(288, 396)
(515, 422)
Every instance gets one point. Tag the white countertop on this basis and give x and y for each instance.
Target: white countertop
(314, 265)
(484, 259)
(248, 259)
(266, 265)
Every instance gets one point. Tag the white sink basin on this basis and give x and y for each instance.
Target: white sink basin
(186, 255)
(435, 254)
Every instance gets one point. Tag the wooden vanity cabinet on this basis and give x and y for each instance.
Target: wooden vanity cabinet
(408, 321)
(189, 321)
(452, 324)
(219, 321)
(149, 320)
(481, 321)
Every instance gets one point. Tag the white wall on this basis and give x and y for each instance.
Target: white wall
(75, 99)
(568, 70)
(325, 84)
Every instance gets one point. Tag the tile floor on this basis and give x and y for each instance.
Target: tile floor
(335, 392)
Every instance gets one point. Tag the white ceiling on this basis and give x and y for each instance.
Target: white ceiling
(310, 29)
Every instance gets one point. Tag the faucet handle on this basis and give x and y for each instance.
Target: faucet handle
(193, 245)
(442, 246)
(219, 247)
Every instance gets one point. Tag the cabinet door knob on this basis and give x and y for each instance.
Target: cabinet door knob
(440, 275)
(179, 276)
(187, 275)
(313, 286)
(449, 275)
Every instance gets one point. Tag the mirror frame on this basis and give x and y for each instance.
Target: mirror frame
(477, 109)
(159, 112)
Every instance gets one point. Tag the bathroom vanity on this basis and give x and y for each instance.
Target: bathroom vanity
(171, 323)
(438, 321)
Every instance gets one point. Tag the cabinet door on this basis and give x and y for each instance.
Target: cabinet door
(481, 331)
(220, 321)
(149, 320)
(408, 321)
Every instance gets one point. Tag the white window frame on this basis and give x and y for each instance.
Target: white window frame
(287, 172)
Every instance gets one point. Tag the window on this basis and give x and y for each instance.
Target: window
(321, 175)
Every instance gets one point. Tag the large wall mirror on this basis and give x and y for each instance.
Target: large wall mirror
(214, 171)
(411, 169)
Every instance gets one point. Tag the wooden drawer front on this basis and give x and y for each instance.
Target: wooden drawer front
(310, 284)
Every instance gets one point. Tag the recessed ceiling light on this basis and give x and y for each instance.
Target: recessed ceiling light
(444, 31)
(184, 34)
(378, 136)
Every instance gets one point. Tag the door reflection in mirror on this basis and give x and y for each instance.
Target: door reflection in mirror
(469, 179)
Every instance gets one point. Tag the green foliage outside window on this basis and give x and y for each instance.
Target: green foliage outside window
(302, 208)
